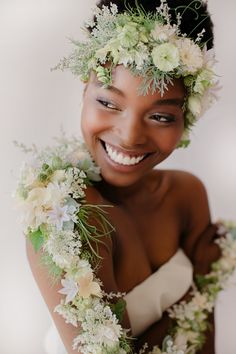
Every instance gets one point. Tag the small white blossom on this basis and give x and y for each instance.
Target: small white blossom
(166, 57)
(64, 247)
(67, 312)
(58, 215)
(203, 81)
(195, 105)
(58, 176)
(190, 55)
(70, 289)
(35, 207)
(162, 32)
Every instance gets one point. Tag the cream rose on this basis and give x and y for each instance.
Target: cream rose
(166, 57)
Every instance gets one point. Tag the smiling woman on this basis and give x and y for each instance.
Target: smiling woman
(148, 77)
(129, 134)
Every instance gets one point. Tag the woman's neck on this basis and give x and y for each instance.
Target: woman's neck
(138, 193)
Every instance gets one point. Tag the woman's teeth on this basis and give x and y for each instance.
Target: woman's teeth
(122, 159)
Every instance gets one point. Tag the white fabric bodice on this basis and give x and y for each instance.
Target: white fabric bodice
(176, 279)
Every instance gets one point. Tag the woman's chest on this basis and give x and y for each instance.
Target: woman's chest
(143, 242)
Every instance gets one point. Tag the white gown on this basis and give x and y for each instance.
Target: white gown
(225, 321)
(53, 343)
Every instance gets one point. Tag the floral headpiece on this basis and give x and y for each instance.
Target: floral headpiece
(151, 47)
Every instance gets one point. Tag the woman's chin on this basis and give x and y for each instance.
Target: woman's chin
(121, 180)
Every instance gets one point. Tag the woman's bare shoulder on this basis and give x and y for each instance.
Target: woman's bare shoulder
(186, 184)
(191, 198)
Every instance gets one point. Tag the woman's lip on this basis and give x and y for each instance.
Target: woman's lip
(125, 152)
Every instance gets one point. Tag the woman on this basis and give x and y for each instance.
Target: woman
(161, 217)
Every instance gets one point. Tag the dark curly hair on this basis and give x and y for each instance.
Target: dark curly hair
(195, 16)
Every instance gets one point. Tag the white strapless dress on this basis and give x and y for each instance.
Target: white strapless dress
(225, 321)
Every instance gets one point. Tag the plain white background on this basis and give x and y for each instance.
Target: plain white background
(36, 102)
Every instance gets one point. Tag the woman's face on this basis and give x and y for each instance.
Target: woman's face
(128, 134)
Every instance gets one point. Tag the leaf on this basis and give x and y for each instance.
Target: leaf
(119, 308)
(37, 239)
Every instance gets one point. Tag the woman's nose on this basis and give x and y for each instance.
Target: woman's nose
(131, 131)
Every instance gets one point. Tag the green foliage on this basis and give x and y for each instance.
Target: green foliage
(91, 236)
(119, 309)
(54, 271)
(37, 239)
(202, 281)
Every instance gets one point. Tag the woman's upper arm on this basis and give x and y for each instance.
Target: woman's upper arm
(199, 238)
(52, 297)
(198, 212)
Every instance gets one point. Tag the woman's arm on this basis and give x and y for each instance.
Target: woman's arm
(49, 290)
(199, 234)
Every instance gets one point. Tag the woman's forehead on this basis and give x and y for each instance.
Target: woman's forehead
(125, 85)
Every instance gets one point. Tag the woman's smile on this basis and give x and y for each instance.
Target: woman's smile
(123, 160)
(122, 156)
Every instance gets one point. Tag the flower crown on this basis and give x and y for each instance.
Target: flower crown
(151, 47)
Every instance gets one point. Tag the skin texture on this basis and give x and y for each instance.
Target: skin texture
(154, 211)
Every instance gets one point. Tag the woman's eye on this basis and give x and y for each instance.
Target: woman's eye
(163, 119)
(107, 104)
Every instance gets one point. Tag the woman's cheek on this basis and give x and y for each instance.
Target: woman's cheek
(92, 123)
(168, 139)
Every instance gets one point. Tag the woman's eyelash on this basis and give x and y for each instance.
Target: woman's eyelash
(163, 119)
(107, 104)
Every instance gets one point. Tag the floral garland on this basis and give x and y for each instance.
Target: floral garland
(151, 47)
(51, 194)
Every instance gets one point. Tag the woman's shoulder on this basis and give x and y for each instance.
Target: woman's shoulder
(188, 194)
(185, 183)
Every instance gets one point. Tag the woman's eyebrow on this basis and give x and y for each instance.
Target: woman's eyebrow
(110, 88)
(178, 101)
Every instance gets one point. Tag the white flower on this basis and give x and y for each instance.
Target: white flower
(70, 289)
(181, 340)
(58, 176)
(87, 286)
(77, 155)
(137, 56)
(201, 301)
(67, 312)
(35, 207)
(203, 81)
(64, 247)
(58, 215)
(58, 192)
(108, 334)
(194, 104)
(83, 267)
(166, 57)
(190, 55)
(128, 35)
(101, 54)
(162, 32)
